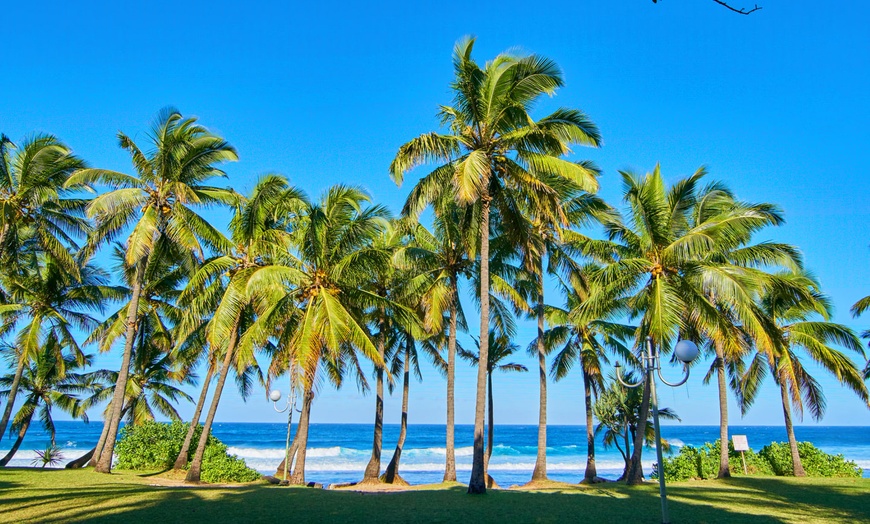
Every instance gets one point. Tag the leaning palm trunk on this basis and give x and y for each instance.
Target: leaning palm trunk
(591, 472)
(181, 461)
(789, 428)
(477, 482)
(450, 461)
(392, 474)
(294, 446)
(95, 457)
(104, 462)
(635, 469)
(724, 467)
(298, 476)
(373, 468)
(13, 392)
(540, 471)
(21, 432)
(195, 471)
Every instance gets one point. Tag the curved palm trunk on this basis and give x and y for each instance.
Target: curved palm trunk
(392, 474)
(298, 476)
(591, 473)
(373, 468)
(450, 460)
(195, 471)
(635, 469)
(21, 432)
(477, 482)
(789, 428)
(540, 471)
(724, 467)
(625, 455)
(294, 446)
(98, 449)
(13, 392)
(181, 461)
(104, 463)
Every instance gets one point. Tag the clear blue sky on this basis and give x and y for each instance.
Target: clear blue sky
(775, 104)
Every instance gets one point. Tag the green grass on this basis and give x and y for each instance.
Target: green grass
(28, 495)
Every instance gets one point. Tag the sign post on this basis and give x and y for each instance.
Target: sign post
(741, 444)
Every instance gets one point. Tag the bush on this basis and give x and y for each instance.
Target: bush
(816, 462)
(703, 463)
(155, 445)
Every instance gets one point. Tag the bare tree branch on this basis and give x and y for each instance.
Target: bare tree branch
(740, 11)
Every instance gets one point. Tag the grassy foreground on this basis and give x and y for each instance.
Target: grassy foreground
(28, 495)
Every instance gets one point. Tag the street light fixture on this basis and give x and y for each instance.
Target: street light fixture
(686, 351)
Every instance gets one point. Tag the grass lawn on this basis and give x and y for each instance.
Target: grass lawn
(29, 495)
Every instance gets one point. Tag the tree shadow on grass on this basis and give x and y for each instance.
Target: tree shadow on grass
(740, 500)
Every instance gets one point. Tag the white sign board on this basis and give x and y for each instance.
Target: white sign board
(740, 442)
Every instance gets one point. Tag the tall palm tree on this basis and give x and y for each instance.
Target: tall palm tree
(157, 203)
(501, 348)
(586, 339)
(656, 256)
(37, 203)
(316, 300)
(748, 262)
(800, 323)
(46, 301)
(50, 381)
(494, 148)
(442, 257)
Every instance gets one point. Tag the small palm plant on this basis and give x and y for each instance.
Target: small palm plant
(50, 456)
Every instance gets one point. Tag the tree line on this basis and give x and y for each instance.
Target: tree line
(322, 288)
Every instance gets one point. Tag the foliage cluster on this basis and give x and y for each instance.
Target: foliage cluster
(774, 459)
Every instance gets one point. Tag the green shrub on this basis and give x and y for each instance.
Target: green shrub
(155, 445)
(703, 463)
(816, 462)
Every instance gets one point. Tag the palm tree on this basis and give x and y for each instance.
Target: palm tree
(315, 301)
(37, 203)
(48, 302)
(801, 321)
(500, 349)
(586, 340)
(442, 257)
(657, 257)
(859, 308)
(50, 381)
(493, 149)
(618, 410)
(157, 204)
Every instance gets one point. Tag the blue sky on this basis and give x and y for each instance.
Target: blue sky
(773, 103)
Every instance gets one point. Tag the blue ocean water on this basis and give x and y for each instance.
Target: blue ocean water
(339, 452)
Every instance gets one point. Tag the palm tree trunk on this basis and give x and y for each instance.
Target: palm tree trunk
(13, 392)
(373, 468)
(490, 423)
(724, 467)
(104, 463)
(477, 482)
(195, 471)
(450, 459)
(294, 446)
(591, 472)
(181, 461)
(392, 474)
(789, 428)
(101, 443)
(298, 476)
(540, 471)
(21, 432)
(635, 470)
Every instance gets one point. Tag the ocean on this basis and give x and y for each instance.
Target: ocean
(339, 452)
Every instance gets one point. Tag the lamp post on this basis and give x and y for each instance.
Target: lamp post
(275, 396)
(686, 351)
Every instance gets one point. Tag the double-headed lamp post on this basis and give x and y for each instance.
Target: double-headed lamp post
(686, 351)
(275, 396)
